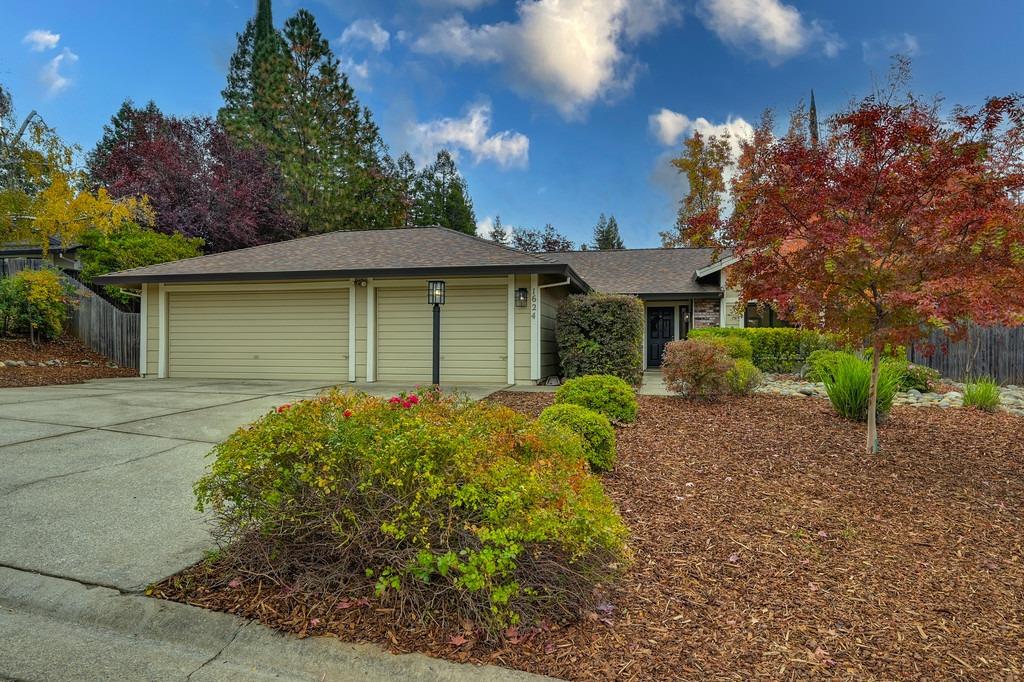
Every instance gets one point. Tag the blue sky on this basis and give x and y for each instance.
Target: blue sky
(558, 109)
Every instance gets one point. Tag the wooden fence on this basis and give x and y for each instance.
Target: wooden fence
(996, 352)
(100, 324)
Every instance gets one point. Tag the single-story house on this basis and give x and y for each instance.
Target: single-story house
(58, 254)
(352, 306)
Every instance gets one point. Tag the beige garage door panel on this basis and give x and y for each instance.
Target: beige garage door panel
(259, 334)
(474, 341)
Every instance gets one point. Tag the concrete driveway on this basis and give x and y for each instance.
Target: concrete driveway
(96, 479)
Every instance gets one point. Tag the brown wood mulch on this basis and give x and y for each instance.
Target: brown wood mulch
(766, 545)
(68, 350)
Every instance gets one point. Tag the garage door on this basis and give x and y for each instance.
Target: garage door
(259, 334)
(474, 341)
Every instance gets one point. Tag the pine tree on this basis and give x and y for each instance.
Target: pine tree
(606, 234)
(444, 197)
(120, 129)
(286, 92)
(499, 235)
(408, 183)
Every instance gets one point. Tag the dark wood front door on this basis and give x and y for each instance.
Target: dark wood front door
(660, 330)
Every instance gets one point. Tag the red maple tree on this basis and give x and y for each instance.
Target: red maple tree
(901, 221)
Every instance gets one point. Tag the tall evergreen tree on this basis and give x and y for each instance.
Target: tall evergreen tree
(499, 234)
(606, 234)
(286, 91)
(444, 197)
(409, 185)
(121, 129)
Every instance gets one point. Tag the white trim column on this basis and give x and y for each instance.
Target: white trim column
(534, 328)
(143, 330)
(352, 332)
(511, 329)
(162, 350)
(371, 332)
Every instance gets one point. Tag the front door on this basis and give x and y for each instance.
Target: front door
(660, 331)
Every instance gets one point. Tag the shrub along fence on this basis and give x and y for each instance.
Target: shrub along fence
(996, 352)
(100, 324)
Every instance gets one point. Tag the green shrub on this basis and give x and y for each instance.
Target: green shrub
(454, 509)
(601, 334)
(819, 363)
(593, 428)
(743, 377)
(737, 347)
(35, 302)
(848, 385)
(982, 393)
(131, 246)
(917, 377)
(602, 393)
(774, 349)
(697, 368)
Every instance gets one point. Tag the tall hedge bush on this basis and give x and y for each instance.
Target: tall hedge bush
(775, 349)
(601, 334)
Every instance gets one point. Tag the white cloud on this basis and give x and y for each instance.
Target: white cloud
(569, 52)
(769, 27)
(366, 31)
(670, 127)
(484, 226)
(457, 4)
(470, 133)
(51, 75)
(40, 39)
(360, 70)
(878, 49)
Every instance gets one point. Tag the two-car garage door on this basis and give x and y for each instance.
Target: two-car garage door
(474, 337)
(272, 333)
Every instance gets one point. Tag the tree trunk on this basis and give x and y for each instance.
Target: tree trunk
(872, 441)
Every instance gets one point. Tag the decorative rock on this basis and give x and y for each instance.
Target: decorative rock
(806, 390)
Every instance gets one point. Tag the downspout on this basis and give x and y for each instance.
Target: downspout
(567, 282)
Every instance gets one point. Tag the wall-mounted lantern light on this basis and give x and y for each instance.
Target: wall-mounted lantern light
(522, 297)
(435, 292)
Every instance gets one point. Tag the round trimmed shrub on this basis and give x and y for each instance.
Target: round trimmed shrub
(593, 428)
(602, 393)
(743, 377)
(453, 509)
(697, 368)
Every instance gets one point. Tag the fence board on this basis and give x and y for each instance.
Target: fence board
(99, 324)
(997, 352)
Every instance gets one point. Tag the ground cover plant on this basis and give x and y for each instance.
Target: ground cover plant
(602, 393)
(437, 506)
(593, 429)
(773, 552)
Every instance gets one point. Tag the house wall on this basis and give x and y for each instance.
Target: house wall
(549, 300)
(522, 335)
(360, 315)
(732, 304)
(706, 313)
(152, 329)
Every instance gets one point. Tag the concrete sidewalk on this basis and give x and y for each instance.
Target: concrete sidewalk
(54, 629)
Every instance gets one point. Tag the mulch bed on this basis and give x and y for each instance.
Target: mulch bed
(68, 350)
(766, 544)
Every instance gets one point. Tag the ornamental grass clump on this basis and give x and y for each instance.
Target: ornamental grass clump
(593, 429)
(450, 509)
(602, 393)
(982, 394)
(847, 380)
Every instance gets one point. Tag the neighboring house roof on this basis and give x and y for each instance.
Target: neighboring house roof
(431, 252)
(28, 248)
(642, 271)
(421, 251)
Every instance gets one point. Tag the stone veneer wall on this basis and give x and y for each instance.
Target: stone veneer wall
(705, 313)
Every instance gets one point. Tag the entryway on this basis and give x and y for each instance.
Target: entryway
(660, 332)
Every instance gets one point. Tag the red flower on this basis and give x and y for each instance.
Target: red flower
(394, 400)
(283, 408)
(414, 399)
(406, 404)
(347, 413)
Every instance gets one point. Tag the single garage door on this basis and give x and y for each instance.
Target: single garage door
(258, 334)
(474, 340)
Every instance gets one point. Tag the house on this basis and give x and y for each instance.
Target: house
(352, 306)
(59, 255)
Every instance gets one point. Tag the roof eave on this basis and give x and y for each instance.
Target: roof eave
(716, 266)
(126, 279)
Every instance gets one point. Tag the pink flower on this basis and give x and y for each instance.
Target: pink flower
(394, 400)
(414, 399)
(406, 404)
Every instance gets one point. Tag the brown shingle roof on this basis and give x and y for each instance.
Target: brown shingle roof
(364, 253)
(641, 271)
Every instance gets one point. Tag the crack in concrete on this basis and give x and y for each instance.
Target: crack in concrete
(77, 429)
(211, 659)
(58, 576)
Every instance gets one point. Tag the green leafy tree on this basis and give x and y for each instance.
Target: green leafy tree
(547, 240)
(286, 91)
(606, 234)
(703, 162)
(443, 197)
(131, 246)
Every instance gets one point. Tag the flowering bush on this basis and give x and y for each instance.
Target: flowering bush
(454, 508)
(593, 428)
(35, 302)
(603, 393)
(697, 368)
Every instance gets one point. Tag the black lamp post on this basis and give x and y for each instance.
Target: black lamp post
(435, 296)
